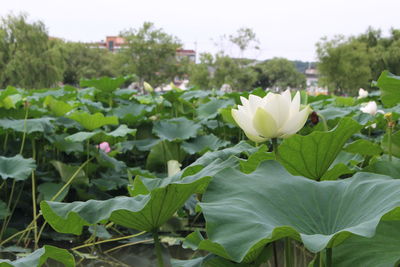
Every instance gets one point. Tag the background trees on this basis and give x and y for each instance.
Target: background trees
(28, 58)
(348, 63)
(150, 53)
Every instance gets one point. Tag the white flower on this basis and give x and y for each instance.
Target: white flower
(273, 116)
(371, 108)
(362, 93)
(173, 167)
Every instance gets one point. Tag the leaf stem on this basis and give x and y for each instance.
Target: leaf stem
(158, 248)
(389, 132)
(288, 253)
(328, 252)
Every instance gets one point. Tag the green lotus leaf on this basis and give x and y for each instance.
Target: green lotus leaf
(389, 86)
(389, 168)
(57, 107)
(81, 136)
(364, 147)
(67, 171)
(210, 109)
(203, 143)
(40, 256)
(382, 250)
(93, 121)
(161, 153)
(312, 155)
(249, 165)
(176, 129)
(16, 167)
(154, 201)
(132, 112)
(331, 113)
(42, 125)
(105, 84)
(224, 154)
(245, 211)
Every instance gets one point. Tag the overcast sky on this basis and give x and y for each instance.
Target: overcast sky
(285, 28)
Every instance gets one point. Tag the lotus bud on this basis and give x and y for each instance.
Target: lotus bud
(148, 87)
(105, 146)
(173, 167)
(371, 108)
(273, 116)
(362, 93)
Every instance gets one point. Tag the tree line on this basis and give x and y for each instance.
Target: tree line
(349, 63)
(29, 58)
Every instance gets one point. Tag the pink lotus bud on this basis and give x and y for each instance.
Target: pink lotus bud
(105, 147)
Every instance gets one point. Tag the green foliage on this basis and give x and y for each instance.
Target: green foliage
(16, 167)
(40, 256)
(312, 155)
(28, 58)
(270, 204)
(278, 72)
(150, 54)
(348, 63)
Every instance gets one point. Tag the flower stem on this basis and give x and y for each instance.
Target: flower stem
(389, 133)
(275, 147)
(158, 248)
(328, 262)
(288, 253)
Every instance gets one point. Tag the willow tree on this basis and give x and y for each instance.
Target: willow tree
(28, 58)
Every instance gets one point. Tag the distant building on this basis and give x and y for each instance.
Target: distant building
(311, 77)
(116, 43)
(185, 53)
(112, 43)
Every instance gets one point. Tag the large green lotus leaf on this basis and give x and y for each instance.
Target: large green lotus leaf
(42, 125)
(384, 167)
(312, 155)
(331, 113)
(9, 97)
(382, 250)
(244, 211)
(203, 143)
(208, 261)
(395, 143)
(176, 129)
(161, 153)
(81, 136)
(105, 84)
(57, 107)
(93, 121)
(390, 88)
(40, 256)
(210, 109)
(190, 94)
(16, 167)
(58, 140)
(225, 153)
(132, 112)
(67, 171)
(364, 147)
(249, 165)
(154, 201)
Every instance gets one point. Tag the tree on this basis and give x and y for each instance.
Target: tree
(83, 62)
(150, 53)
(200, 73)
(28, 58)
(243, 38)
(278, 72)
(229, 71)
(344, 65)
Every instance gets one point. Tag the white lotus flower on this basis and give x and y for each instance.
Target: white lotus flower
(273, 116)
(371, 108)
(362, 93)
(173, 167)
